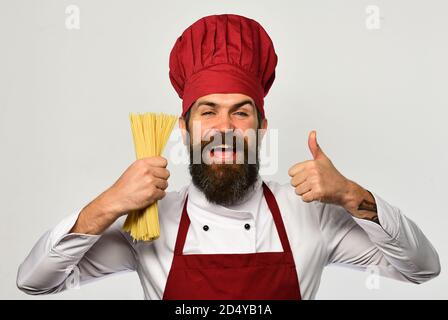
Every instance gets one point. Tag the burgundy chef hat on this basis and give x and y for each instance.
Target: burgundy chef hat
(224, 53)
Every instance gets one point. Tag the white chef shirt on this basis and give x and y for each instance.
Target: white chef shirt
(319, 234)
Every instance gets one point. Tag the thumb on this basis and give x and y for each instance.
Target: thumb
(315, 149)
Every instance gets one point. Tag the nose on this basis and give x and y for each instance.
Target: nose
(224, 123)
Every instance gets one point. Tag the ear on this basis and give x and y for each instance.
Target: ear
(183, 129)
(264, 123)
(263, 127)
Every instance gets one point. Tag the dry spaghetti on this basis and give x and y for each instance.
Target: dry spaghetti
(150, 132)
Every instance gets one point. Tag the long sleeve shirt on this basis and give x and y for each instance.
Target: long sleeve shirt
(319, 234)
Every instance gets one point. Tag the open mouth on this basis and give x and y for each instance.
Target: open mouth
(223, 152)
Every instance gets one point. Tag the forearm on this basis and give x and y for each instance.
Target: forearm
(402, 250)
(402, 243)
(61, 255)
(97, 216)
(52, 258)
(57, 254)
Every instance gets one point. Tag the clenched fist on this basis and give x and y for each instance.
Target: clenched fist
(318, 179)
(143, 183)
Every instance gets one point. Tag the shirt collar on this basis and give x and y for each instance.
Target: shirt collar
(247, 208)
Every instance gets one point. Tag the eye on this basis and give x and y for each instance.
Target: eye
(241, 113)
(206, 113)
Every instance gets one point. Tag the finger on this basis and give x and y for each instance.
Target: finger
(314, 147)
(161, 183)
(158, 194)
(308, 196)
(160, 173)
(312, 144)
(298, 178)
(295, 169)
(303, 188)
(157, 161)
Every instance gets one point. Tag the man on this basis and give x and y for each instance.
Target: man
(230, 235)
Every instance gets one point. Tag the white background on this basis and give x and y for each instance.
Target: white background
(377, 98)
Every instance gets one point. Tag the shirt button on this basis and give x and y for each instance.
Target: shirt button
(247, 226)
(205, 227)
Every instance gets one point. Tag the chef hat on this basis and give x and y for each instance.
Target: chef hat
(224, 53)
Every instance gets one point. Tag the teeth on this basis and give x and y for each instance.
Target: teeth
(223, 147)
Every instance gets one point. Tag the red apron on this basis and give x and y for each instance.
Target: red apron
(257, 276)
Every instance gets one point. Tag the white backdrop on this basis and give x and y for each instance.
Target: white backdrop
(374, 89)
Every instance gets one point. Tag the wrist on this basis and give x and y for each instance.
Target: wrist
(353, 196)
(360, 203)
(107, 206)
(95, 217)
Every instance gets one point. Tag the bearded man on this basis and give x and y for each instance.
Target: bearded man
(229, 234)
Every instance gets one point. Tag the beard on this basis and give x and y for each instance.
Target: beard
(225, 183)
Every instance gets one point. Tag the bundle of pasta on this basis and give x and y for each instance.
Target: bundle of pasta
(150, 132)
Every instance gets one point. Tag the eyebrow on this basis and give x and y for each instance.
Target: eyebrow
(235, 106)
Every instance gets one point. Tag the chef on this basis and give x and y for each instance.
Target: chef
(229, 234)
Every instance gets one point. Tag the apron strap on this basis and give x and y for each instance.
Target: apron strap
(183, 229)
(276, 215)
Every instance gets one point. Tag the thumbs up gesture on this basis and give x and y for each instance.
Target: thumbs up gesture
(318, 179)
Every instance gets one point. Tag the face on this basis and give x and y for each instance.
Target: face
(223, 132)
